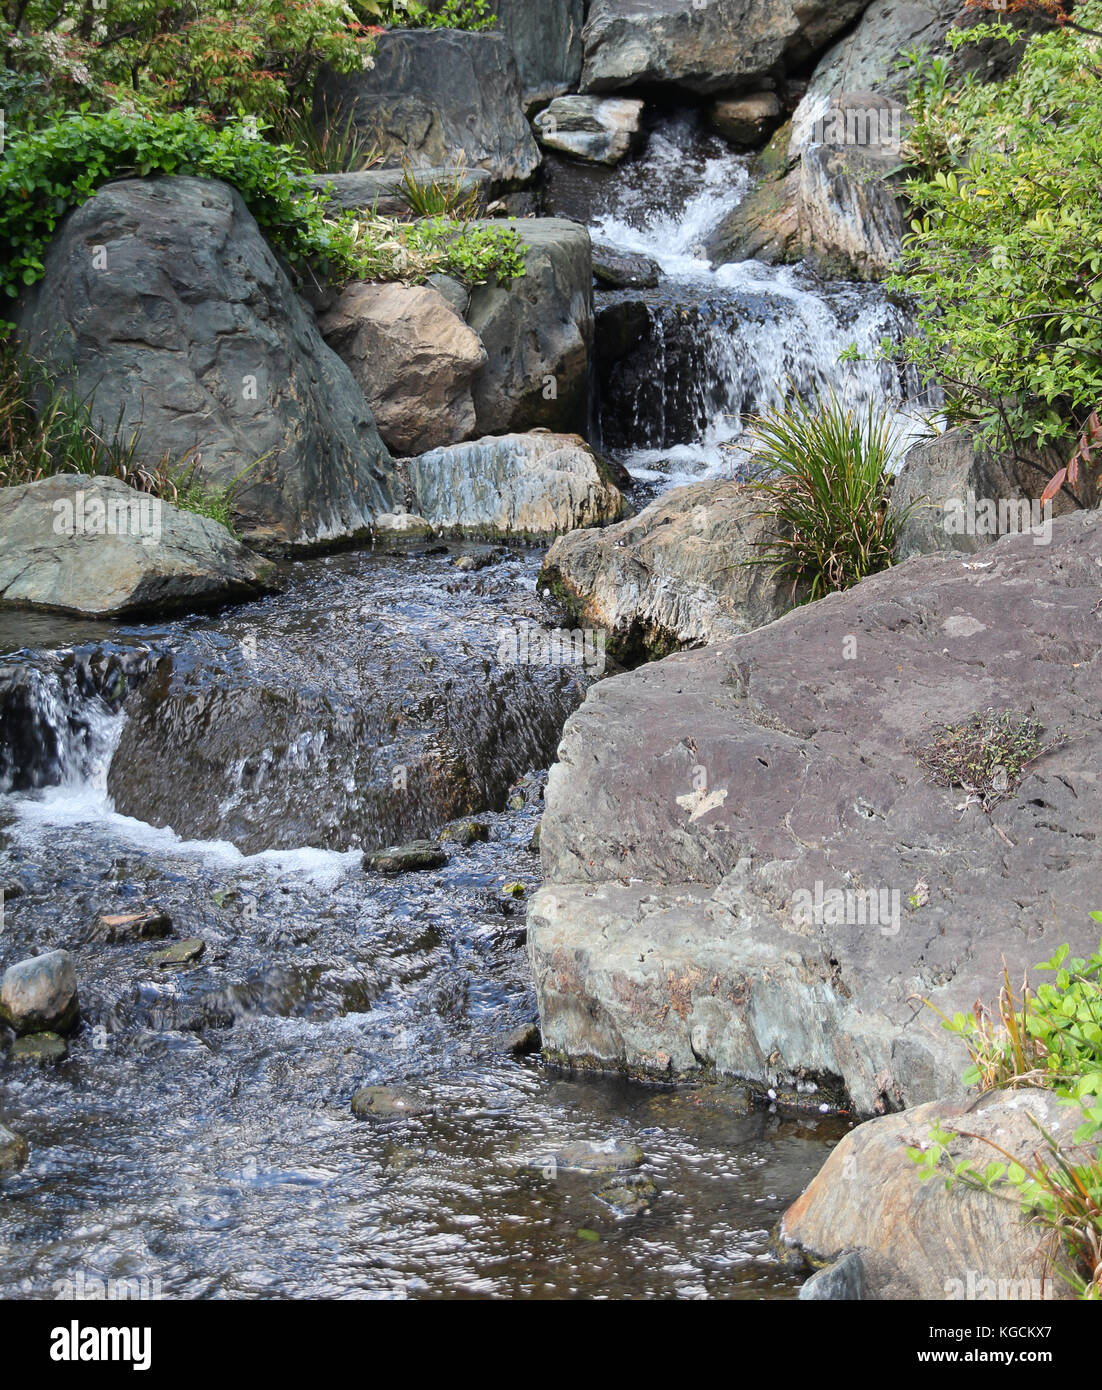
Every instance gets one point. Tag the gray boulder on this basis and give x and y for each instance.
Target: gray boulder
(598, 129)
(676, 575)
(415, 359)
(13, 1151)
(546, 40)
(533, 485)
(40, 995)
(710, 46)
(915, 1240)
(75, 544)
(747, 121)
(435, 95)
(163, 302)
(747, 868)
(538, 333)
(622, 270)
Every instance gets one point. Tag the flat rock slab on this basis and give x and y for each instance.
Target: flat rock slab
(114, 927)
(601, 129)
(406, 859)
(387, 1103)
(96, 547)
(40, 1049)
(701, 806)
(179, 953)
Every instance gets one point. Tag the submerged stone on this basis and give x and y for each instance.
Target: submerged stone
(43, 1049)
(405, 859)
(179, 953)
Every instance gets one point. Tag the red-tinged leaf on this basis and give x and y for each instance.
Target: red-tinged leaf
(1054, 486)
(1073, 469)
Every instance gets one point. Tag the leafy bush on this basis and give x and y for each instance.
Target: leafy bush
(435, 14)
(380, 248)
(1005, 252)
(1050, 1038)
(987, 755)
(824, 471)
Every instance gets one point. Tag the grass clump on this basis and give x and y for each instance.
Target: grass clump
(987, 755)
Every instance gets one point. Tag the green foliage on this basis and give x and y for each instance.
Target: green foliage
(1005, 251)
(336, 146)
(379, 248)
(987, 755)
(440, 196)
(433, 14)
(824, 471)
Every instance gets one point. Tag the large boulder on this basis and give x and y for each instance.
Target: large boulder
(598, 129)
(546, 40)
(40, 994)
(538, 332)
(679, 574)
(435, 95)
(519, 485)
(94, 546)
(414, 358)
(164, 304)
(748, 869)
(916, 1239)
(709, 46)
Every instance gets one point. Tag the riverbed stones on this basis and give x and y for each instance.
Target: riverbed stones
(521, 485)
(915, 1239)
(415, 857)
(708, 47)
(679, 574)
(632, 1194)
(538, 334)
(40, 994)
(414, 358)
(148, 925)
(523, 1040)
(601, 130)
(187, 330)
(585, 1156)
(465, 832)
(702, 807)
(387, 1103)
(622, 270)
(39, 1049)
(95, 547)
(844, 1280)
(433, 96)
(179, 954)
(13, 1151)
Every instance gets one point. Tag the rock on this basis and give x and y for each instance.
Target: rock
(623, 270)
(676, 575)
(191, 334)
(709, 47)
(456, 294)
(533, 485)
(413, 357)
(914, 1239)
(466, 832)
(40, 994)
(601, 130)
(40, 1049)
(534, 842)
(632, 1195)
(386, 1103)
(523, 1041)
(133, 926)
(546, 40)
(538, 333)
(403, 525)
(380, 190)
(437, 95)
(93, 546)
(748, 121)
(582, 1157)
(481, 557)
(843, 1280)
(13, 1151)
(940, 475)
(180, 953)
(703, 807)
(765, 224)
(405, 859)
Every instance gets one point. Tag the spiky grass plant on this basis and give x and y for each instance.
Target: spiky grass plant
(444, 195)
(823, 471)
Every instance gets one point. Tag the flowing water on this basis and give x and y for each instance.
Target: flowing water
(230, 770)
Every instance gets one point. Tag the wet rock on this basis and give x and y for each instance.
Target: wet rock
(514, 485)
(842, 1280)
(193, 336)
(405, 859)
(748, 121)
(380, 190)
(709, 47)
(546, 40)
(386, 1103)
(523, 1041)
(147, 556)
(629, 1196)
(678, 574)
(583, 1157)
(434, 95)
(700, 804)
(465, 832)
(40, 994)
(13, 1151)
(538, 332)
(765, 224)
(623, 270)
(915, 1239)
(414, 358)
(534, 842)
(402, 525)
(601, 130)
(479, 558)
(180, 953)
(40, 1049)
(132, 926)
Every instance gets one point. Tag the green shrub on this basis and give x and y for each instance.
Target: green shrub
(429, 14)
(987, 755)
(823, 469)
(440, 195)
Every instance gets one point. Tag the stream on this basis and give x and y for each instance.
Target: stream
(231, 769)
